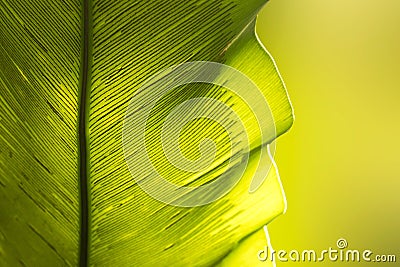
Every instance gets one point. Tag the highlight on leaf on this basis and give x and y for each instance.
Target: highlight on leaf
(69, 70)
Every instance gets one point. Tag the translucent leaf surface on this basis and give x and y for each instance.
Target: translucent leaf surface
(68, 72)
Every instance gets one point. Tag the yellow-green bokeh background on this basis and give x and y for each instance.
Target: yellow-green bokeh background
(340, 163)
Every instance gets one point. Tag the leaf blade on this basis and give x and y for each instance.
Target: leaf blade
(38, 85)
(123, 57)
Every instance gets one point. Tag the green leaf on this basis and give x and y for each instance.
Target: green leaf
(68, 72)
(246, 254)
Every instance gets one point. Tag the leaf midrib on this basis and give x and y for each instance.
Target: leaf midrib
(83, 150)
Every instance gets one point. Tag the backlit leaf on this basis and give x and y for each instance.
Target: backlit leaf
(68, 72)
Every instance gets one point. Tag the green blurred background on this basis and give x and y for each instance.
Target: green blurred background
(340, 163)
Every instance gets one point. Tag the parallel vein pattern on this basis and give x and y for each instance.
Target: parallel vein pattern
(132, 41)
(68, 71)
(39, 74)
